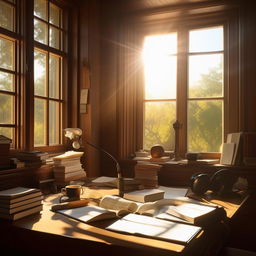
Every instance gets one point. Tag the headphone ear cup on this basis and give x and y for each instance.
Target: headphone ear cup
(200, 183)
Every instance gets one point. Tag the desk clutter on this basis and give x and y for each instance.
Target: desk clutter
(67, 167)
(177, 219)
(18, 202)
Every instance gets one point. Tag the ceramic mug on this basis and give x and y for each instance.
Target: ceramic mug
(72, 192)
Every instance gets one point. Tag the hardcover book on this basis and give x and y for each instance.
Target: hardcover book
(145, 195)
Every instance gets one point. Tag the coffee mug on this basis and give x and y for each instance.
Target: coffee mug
(72, 192)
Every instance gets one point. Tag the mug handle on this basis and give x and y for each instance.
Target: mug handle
(63, 196)
(63, 190)
(82, 190)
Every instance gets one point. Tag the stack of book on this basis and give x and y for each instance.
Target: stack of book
(33, 158)
(147, 174)
(129, 184)
(18, 202)
(67, 167)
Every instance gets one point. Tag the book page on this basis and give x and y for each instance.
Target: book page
(227, 154)
(155, 228)
(88, 213)
(118, 203)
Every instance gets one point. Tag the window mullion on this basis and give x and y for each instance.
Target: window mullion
(182, 73)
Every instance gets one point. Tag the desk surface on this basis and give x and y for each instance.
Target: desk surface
(50, 223)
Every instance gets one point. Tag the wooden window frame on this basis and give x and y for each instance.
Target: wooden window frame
(46, 48)
(17, 92)
(232, 121)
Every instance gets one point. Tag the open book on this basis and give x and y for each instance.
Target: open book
(115, 207)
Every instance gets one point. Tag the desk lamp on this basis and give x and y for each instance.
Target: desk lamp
(74, 134)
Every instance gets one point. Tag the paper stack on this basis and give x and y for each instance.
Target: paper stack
(147, 174)
(18, 202)
(67, 167)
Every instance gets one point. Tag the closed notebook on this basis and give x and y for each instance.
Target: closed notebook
(16, 192)
(20, 208)
(21, 198)
(145, 195)
(22, 214)
(155, 228)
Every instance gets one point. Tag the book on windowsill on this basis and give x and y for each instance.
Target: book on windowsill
(200, 161)
(155, 228)
(145, 195)
(160, 159)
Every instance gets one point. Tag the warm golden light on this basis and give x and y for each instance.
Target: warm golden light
(160, 66)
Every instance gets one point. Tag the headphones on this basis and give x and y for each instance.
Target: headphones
(221, 182)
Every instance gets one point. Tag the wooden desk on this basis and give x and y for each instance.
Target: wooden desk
(53, 233)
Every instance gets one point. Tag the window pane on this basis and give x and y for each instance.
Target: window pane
(161, 44)
(40, 9)
(54, 124)
(6, 81)
(6, 16)
(158, 121)
(54, 37)
(54, 76)
(206, 40)
(160, 68)
(40, 73)
(7, 109)
(40, 122)
(7, 132)
(160, 78)
(6, 54)
(40, 31)
(205, 125)
(206, 75)
(54, 15)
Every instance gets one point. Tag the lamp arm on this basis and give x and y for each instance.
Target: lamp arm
(120, 184)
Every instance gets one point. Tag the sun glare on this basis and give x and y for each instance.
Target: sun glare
(160, 66)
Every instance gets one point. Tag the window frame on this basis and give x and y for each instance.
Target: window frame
(49, 50)
(229, 21)
(17, 93)
(24, 80)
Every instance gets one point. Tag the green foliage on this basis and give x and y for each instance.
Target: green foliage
(204, 117)
(159, 118)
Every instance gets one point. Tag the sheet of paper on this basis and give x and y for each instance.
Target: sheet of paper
(173, 192)
(156, 228)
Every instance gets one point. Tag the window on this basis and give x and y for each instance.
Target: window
(184, 81)
(8, 71)
(33, 83)
(48, 71)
